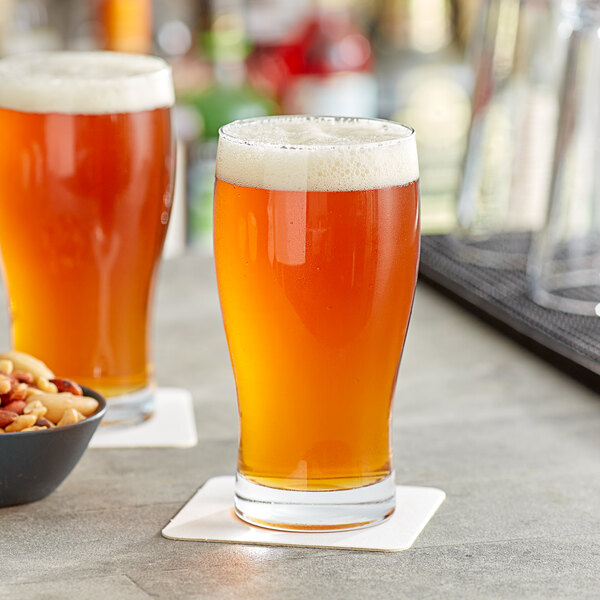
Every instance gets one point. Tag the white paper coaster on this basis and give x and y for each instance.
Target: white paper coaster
(172, 426)
(209, 517)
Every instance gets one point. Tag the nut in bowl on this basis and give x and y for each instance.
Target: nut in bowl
(46, 424)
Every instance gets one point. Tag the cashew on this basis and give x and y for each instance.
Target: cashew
(70, 416)
(58, 403)
(46, 386)
(20, 423)
(19, 392)
(25, 362)
(6, 366)
(31, 391)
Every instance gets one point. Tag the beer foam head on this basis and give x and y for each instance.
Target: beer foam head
(85, 82)
(299, 153)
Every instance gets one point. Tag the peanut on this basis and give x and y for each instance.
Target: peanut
(31, 391)
(16, 406)
(35, 407)
(45, 423)
(58, 403)
(45, 386)
(25, 362)
(70, 416)
(7, 417)
(33, 428)
(5, 384)
(20, 423)
(6, 366)
(19, 392)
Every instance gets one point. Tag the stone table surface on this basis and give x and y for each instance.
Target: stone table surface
(513, 442)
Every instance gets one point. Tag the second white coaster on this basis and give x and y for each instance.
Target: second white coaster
(208, 516)
(172, 426)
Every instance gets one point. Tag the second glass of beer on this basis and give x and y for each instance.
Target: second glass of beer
(85, 194)
(316, 248)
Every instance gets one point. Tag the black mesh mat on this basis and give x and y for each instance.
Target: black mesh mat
(499, 295)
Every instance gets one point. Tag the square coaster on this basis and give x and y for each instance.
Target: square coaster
(172, 426)
(209, 517)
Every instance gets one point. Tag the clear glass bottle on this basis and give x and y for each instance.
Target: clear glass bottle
(502, 194)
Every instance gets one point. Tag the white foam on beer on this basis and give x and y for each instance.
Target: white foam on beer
(301, 153)
(85, 82)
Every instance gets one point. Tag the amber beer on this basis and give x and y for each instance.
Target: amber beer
(85, 194)
(316, 247)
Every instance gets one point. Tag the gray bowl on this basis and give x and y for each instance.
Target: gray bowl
(33, 464)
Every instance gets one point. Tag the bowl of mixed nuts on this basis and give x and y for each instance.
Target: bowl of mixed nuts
(46, 424)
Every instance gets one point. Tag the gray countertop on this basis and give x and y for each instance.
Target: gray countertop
(514, 443)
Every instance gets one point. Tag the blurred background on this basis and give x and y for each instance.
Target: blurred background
(408, 60)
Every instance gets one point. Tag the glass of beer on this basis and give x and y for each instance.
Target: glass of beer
(85, 193)
(316, 246)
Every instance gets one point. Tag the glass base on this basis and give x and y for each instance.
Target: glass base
(130, 409)
(331, 510)
(500, 251)
(583, 300)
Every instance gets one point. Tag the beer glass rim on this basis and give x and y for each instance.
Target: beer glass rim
(408, 136)
(85, 82)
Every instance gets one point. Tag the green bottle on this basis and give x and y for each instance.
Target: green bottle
(229, 98)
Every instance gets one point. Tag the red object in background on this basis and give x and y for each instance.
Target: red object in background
(326, 45)
(330, 43)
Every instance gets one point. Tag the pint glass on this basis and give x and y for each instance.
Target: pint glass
(316, 248)
(85, 194)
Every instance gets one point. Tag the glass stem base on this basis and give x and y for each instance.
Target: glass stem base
(328, 510)
(130, 409)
